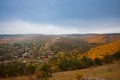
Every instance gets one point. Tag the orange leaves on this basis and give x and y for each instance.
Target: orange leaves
(101, 51)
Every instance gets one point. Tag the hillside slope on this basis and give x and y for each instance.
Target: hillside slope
(97, 72)
(103, 38)
(102, 50)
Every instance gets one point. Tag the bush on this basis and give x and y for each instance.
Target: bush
(43, 71)
(108, 59)
(38, 74)
(86, 62)
(117, 55)
(29, 69)
(63, 64)
(2, 70)
(69, 64)
(97, 61)
(74, 63)
(11, 69)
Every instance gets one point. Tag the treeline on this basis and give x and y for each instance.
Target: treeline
(58, 63)
(63, 62)
(18, 69)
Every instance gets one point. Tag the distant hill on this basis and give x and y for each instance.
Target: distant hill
(103, 38)
(78, 36)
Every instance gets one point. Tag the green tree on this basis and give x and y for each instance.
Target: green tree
(2, 70)
(74, 63)
(29, 69)
(86, 62)
(108, 59)
(43, 71)
(117, 55)
(97, 61)
(63, 64)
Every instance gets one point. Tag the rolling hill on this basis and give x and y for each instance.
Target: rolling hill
(37, 54)
(103, 38)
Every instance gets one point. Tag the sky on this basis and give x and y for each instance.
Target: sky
(59, 16)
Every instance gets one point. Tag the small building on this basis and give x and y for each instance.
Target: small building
(25, 55)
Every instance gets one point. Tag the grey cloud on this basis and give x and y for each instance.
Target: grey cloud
(66, 27)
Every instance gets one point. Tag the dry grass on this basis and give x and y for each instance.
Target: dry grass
(108, 72)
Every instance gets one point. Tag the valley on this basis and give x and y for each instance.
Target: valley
(45, 55)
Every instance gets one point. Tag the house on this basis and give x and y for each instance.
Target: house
(25, 55)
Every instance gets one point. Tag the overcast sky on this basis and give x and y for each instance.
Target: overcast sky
(59, 16)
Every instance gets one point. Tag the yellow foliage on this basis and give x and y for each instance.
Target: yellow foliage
(39, 74)
(106, 49)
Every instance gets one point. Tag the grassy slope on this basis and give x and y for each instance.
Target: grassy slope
(97, 72)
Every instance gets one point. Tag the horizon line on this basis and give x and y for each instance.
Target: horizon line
(54, 33)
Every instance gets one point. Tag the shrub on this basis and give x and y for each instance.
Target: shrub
(29, 69)
(117, 55)
(86, 62)
(108, 59)
(38, 74)
(97, 61)
(43, 71)
(80, 75)
(63, 64)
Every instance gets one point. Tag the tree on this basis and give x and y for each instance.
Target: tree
(2, 70)
(29, 69)
(117, 55)
(43, 71)
(74, 63)
(97, 61)
(108, 59)
(86, 62)
(63, 64)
